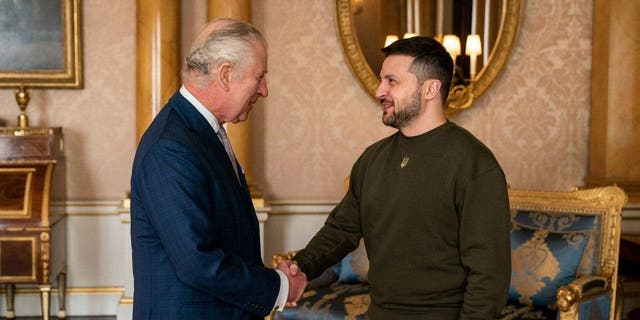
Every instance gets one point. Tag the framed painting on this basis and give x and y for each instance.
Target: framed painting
(40, 44)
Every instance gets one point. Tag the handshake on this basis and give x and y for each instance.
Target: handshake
(297, 281)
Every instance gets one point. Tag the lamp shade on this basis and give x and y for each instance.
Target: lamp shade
(452, 44)
(473, 47)
(409, 35)
(390, 39)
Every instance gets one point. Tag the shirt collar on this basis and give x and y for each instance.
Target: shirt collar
(211, 119)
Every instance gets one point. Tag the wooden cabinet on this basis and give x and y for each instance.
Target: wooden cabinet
(32, 239)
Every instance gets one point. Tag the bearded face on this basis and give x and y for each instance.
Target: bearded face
(404, 111)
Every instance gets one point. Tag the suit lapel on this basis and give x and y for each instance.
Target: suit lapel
(213, 145)
(214, 149)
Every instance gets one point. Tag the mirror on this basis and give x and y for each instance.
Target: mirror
(366, 25)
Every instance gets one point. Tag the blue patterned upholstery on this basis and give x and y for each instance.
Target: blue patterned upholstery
(541, 262)
(565, 222)
(337, 301)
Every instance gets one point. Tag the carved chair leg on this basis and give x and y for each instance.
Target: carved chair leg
(62, 295)
(9, 288)
(45, 300)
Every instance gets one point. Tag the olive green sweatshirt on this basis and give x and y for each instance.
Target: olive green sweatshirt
(434, 213)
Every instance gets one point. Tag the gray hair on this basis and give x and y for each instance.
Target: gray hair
(232, 43)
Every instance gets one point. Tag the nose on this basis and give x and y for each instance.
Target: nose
(381, 91)
(262, 89)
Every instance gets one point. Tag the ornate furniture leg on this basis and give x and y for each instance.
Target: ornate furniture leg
(9, 290)
(45, 295)
(62, 294)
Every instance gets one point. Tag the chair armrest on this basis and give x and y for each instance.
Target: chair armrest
(570, 295)
(281, 256)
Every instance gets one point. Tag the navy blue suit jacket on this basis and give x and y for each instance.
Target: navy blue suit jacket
(194, 231)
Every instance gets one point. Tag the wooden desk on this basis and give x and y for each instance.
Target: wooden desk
(32, 240)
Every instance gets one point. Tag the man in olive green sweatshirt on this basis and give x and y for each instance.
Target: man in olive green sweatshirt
(430, 201)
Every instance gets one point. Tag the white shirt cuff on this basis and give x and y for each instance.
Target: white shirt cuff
(281, 300)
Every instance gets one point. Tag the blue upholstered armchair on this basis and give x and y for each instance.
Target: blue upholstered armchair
(564, 253)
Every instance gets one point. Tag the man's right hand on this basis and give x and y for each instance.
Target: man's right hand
(297, 281)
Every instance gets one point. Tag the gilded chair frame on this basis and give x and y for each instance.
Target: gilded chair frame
(605, 202)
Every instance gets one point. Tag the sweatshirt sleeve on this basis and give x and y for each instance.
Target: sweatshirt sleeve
(340, 234)
(485, 245)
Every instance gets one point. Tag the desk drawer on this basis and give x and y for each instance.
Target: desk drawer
(19, 255)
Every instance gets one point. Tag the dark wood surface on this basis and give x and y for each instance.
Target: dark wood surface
(32, 242)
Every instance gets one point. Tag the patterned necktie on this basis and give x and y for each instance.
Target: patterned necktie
(227, 147)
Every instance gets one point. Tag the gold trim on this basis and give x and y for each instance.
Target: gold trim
(126, 300)
(75, 291)
(46, 194)
(33, 260)
(91, 214)
(20, 214)
(512, 11)
(30, 131)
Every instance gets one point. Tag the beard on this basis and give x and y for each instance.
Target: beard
(401, 117)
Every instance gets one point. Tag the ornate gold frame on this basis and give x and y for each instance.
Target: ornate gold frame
(70, 76)
(460, 97)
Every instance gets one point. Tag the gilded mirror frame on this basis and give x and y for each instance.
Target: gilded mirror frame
(460, 97)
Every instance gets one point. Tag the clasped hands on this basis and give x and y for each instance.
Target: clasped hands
(297, 281)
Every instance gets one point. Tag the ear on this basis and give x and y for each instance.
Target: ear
(225, 74)
(431, 89)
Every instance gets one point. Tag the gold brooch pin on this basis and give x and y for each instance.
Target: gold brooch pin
(404, 162)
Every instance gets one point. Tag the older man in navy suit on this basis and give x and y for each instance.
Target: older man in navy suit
(194, 231)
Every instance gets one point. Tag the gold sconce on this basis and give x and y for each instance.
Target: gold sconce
(461, 95)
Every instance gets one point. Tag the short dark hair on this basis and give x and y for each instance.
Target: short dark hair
(431, 60)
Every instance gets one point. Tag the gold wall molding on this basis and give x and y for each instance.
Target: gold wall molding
(301, 207)
(106, 290)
